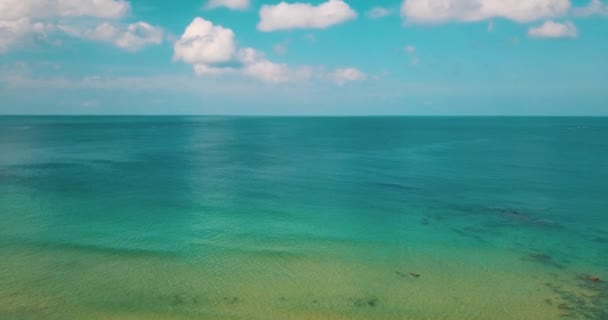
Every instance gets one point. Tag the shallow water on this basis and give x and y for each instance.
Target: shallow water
(303, 218)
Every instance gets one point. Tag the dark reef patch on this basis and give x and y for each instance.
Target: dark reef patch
(370, 301)
(588, 302)
(408, 274)
(231, 300)
(545, 260)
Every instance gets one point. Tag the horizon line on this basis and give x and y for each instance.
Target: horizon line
(312, 115)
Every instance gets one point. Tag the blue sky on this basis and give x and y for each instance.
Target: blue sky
(331, 57)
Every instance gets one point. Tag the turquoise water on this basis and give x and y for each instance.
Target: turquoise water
(303, 218)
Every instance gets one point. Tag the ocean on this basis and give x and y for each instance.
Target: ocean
(426, 218)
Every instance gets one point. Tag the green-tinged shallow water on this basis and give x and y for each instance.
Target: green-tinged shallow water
(303, 218)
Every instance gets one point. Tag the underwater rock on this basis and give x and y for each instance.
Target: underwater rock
(371, 301)
(177, 300)
(593, 279)
(404, 275)
(589, 303)
(231, 300)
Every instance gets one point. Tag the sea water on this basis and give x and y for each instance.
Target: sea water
(303, 218)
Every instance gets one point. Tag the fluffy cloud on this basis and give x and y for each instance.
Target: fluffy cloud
(440, 11)
(131, 37)
(552, 29)
(230, 4)
(251, 63)
(378, 12)
(595, 7)
(33, 9)
(257, 66)
(25, 20)
(285, 16)
(205, 43)
(212, 50)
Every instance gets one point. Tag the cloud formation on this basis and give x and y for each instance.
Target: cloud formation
(441, 11)
(213, 50)
(131, 37)
(285, 16)
(12, 31)
(205, 43)
(35, 9)
(230, 4)
(551, 29)
(22, 21)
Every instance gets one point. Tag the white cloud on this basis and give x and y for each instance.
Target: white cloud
(132, 37)
(410, 49)
(22, 21)
(203, 69)
(33, 9)
(205, 43)
(254, 64)
(551, 29)
(341, 76)
(230, 4)
(111, 9)
(595, 7)
(285, 16)
(378, 12)
(12, 31)
(212, 50)
(257, 66)
(440, 11)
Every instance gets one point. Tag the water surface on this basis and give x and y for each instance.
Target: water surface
(303, 218)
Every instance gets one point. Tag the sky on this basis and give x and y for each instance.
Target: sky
(326, 57)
